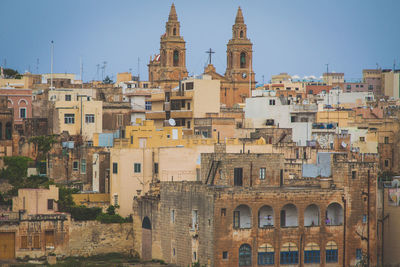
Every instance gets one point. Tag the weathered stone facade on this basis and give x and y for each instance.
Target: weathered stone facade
(236, 217)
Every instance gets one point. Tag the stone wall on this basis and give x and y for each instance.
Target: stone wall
(92, 237)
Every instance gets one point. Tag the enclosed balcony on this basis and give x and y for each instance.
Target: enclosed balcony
(155, 115)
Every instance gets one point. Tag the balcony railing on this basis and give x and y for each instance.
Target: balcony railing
(155, 115)
(181, 114)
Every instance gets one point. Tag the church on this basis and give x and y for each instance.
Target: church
(168, 67)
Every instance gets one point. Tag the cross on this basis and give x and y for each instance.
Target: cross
(210, 52)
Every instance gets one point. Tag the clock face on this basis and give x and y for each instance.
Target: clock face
(244, 75)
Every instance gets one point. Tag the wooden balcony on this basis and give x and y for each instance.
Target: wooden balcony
(181, 114)
(155, 115)
(157, 97)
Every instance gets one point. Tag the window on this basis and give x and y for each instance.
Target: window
(189, 86)
(115, 167)
(156, 167)
(67, 97)
(115, 200)
(243, 60)
(238, 177)
(312, 253)
(69, 118)
(174, 31)
(147, 105)
(362, 139)
(172, 216)
(289, 254)
(265, 255)
(272, 102)
(370, 87)
(22, 113)
(36, 241)
(358, 254)
(364, 218)
(262, 173)
(310, 92)
(194, 219)
(348, 87)
(225, 255)
(188, 105)
(89, 143)
(245, 255)
(176, 58)
(236, 219)
(24, 241)
(386, 163)
(83, 166)
(241, 34)
(50, 204)
(353, 174)
(223, 212)
(386, 139)
(75, 165)
(137, 167)
(195, 255)
(89, 118)
(331, 252)
(287, 88)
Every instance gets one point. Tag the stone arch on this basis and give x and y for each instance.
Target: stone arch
(334, 214)
(242, 217)
(289, 216)
(146, 239)
(265, 217)
(311, 215)
(243, 60)
(22, 100)
(8, 131)
(174, 32)
(175, 58)
(245, 255)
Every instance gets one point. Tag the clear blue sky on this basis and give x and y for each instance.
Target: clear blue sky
(294, 36)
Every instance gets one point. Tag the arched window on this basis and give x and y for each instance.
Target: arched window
(311, 215)
(176, 58)
(174, 32)
(8, 131)
(334, 214)
(243, 60)
(242, 217)
(230, 59)
(289, 216)
(265, 217)
(331, 252)
(312, 253)
(266, 255)
(245, 255)
(241, 34)
(289, 254)
(146, 224)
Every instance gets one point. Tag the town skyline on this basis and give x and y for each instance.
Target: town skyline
(122, 37)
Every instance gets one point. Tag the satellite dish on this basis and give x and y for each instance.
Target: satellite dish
(395, 183)
(344, 145)
(172, 122)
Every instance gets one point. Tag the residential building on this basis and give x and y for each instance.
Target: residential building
(332, 77)
(6, 127)
(194, 98)
(391, 83)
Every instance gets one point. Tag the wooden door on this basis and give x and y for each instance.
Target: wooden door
(7, 245)
(49, 238)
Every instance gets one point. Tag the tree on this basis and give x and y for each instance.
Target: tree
(11, 74)
(107, 80)
(43, 145)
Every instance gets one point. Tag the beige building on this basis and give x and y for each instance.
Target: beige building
(84, 117)
(391, 83)
(36, 201)
(65, 94)
(195, 97)
(333, 77)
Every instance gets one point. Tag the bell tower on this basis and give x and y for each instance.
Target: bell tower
(172, 53)
(240, 57)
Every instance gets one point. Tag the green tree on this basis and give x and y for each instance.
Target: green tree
(43, 145)
(16, 169)
(11, 74)
(107, 80)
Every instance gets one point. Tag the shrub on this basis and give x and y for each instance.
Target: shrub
(82, 213)
(107, 218)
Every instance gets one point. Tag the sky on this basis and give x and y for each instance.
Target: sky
(295, 36)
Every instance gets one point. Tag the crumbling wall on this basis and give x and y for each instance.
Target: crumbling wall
(92, 237)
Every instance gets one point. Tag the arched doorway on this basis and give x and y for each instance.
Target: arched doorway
(146, 239)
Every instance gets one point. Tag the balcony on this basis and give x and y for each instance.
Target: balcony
(155, 115)
(8, 217)
(181, 114)
(182, 95)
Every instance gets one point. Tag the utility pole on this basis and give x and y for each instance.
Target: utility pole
(51, 74)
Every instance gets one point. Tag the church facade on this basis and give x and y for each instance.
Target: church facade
(169, 67)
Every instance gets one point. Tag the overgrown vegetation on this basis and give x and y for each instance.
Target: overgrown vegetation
(11, 74)
(43, 145)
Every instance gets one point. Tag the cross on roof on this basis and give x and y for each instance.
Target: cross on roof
(210, 52)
